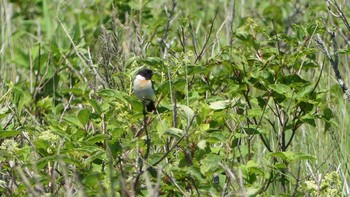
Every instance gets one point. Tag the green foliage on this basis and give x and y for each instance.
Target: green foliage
(330, 185)
(238, 87)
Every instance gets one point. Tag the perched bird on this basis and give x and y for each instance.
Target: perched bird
(143, 88)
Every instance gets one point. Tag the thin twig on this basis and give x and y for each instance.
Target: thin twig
(178, 141)
(170, 18)
(339, 12)
(199, 56)
(148, 144)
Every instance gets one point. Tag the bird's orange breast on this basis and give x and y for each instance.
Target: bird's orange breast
(144, 84)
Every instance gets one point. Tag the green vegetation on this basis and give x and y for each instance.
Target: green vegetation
(249, 94)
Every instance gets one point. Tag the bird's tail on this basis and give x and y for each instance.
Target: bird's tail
(150, 107)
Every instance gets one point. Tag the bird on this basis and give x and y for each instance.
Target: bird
(143, 88)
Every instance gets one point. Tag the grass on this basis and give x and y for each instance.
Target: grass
(248, 102)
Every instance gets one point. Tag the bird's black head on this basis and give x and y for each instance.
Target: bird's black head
(146, 73)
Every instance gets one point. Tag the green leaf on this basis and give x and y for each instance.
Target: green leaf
(152, 61)
(95, 105)
(130, 61)
(261, 101)
(75, 91)
(84, 116)
(188, 112)
(79, 134)
(251, 131)
(107, 93)
(45, 103)
(174, 132)
(309, 64)
(4, 111)
(8, 134)
(309, 119)
(114, 94)
(280, 165)
(202, 144)
(179, 84)
(216, 137)
(327, 114)
(97, 138)
(73, 120)
(251, 171)
(255, 112)
(293, 80)
(289, 156)
(281, 88)
(305, 156)
(17, 94)
(42, 162)
(285, 156)
(304, 91)
(273, 12)
(92, 180)
(219, 105)
(210, 164)
(195, 172)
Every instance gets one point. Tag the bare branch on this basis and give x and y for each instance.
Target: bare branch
(339, 13)
(334, 59)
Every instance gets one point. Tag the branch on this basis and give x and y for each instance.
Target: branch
(148, 144)
(199, 56)
(178, 142)
(167, 27)
(339, 14)
(334, 60)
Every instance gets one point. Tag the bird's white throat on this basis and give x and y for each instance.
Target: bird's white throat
(139, 77)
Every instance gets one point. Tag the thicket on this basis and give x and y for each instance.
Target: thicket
(251, 98)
